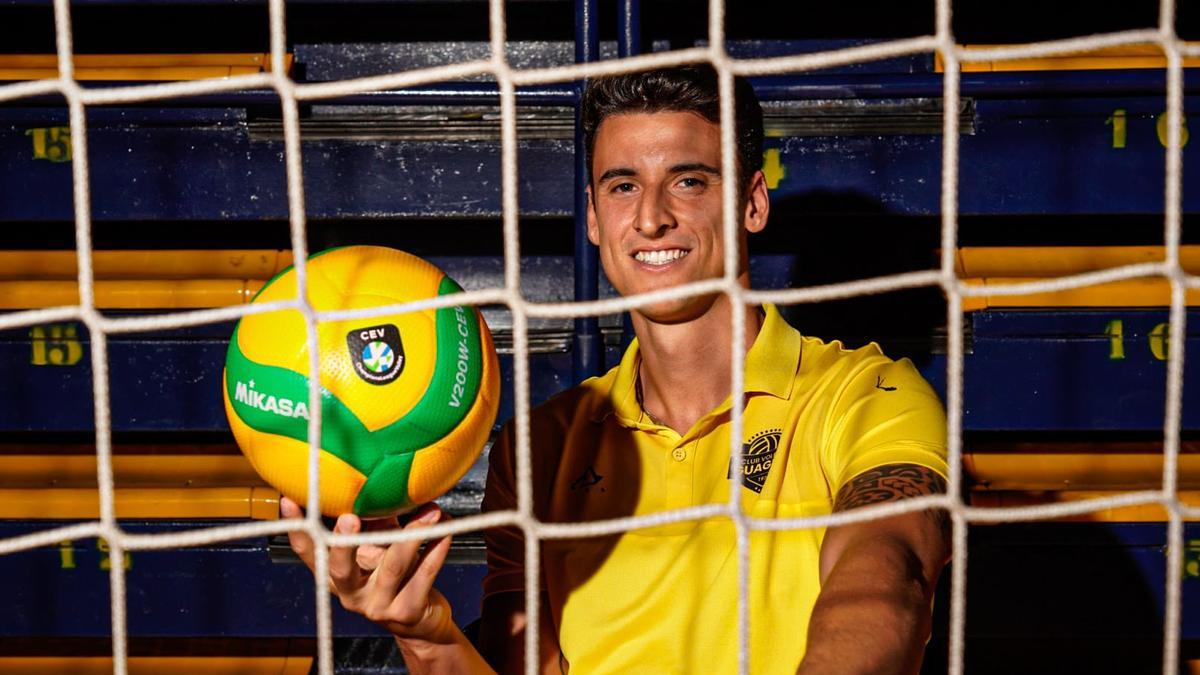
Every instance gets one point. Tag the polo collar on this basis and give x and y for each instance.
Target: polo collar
(623, 395)
(774, 358)
(771, 366)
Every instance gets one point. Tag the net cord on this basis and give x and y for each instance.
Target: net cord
(524, 517)
(1177, 322)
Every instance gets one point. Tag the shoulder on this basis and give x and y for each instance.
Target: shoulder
(820, 367)
(875, 411)
(586, 402)
(858, 373)
(560, 428)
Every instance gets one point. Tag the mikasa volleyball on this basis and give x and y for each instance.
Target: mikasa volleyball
(407, 400)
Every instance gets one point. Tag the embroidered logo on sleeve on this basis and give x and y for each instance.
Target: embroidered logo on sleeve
(758, 454)
(587, 479)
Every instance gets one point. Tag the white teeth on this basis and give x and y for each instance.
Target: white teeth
(660, 257)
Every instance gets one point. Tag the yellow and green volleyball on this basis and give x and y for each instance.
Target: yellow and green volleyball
(407, 400)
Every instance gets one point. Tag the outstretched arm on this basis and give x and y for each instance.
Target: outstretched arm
(393, 586)
(878, 578)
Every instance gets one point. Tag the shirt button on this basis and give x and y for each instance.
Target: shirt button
(679, 454)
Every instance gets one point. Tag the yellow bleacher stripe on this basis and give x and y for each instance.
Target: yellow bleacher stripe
(140, 264)
(264, 503)
(131, 294)
(133, 67)
(153, 470)
(1144, 513)
(1076, 63)
(156, 665)
(198, 278)
(1129, 293)
(136, 60)
(1054, 261)
(1110, 58)
(161, 74)
(1095, 470)
(84, 503)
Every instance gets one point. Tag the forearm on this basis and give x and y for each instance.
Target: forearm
(873, 613)
(452, 654)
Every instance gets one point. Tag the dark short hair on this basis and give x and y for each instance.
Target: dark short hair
(684, 89)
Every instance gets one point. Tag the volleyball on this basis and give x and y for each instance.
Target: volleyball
(407, 400)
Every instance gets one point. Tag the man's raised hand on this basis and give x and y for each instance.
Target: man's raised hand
(391, 585)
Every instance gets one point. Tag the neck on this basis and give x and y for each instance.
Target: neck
(685, 367)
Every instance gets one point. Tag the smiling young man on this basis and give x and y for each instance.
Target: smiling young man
(826, 429)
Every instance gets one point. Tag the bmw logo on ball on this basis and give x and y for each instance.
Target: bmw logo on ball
(377, 353)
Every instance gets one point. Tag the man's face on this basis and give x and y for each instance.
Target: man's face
(655, 207)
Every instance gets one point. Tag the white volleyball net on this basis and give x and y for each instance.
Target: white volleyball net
(940, 42)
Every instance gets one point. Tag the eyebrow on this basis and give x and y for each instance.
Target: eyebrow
(616, 173)
(696, 166)
(623, 172)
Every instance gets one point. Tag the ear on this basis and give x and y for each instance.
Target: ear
(593, 226)
(758, 204)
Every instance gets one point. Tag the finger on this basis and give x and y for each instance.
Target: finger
(300, 542)
(376, 524)
(370, 555)
(401, 557)
(417, 602)
(344, 572)
(428, 566)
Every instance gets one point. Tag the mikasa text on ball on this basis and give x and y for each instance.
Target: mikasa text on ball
(407, 400)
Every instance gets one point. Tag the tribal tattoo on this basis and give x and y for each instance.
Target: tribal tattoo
(891, 482)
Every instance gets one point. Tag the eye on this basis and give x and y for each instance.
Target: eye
(691, 182)
(624, 187)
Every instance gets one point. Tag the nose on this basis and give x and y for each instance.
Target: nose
(654, 215)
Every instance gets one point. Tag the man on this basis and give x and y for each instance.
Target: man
(827, 429)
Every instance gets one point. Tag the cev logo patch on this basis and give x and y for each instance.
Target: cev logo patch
(377, 353)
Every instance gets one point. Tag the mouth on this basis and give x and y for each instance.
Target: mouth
(660, 258)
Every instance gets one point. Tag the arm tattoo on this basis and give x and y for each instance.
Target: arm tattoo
(891, 482)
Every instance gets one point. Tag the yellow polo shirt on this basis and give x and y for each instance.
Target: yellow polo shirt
(664, 599)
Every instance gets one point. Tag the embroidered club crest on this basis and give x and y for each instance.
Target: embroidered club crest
(758, 454)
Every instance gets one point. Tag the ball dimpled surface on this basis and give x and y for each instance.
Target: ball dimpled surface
(407, 400)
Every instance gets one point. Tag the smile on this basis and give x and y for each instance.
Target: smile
(663, 257)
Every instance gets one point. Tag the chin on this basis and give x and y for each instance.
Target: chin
(678, 311)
